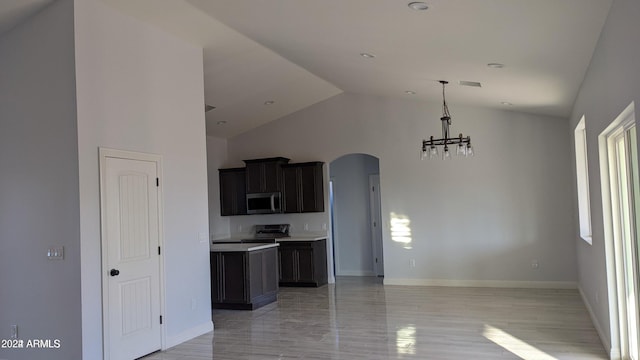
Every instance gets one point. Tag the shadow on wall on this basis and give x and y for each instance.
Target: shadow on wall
(355, 213)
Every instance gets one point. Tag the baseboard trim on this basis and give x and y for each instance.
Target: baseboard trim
(483, 283)
(188, 334)
(355, 273)
(603, 338)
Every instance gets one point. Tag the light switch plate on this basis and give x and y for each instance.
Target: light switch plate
(55, 253)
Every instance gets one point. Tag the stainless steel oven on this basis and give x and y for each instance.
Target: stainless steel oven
(264, 203)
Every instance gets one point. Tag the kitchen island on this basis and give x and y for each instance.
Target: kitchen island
(243, 276)
(302, 258)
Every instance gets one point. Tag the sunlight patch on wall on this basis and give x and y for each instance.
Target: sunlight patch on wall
(406, 340)
(514, 345)
(401, 230)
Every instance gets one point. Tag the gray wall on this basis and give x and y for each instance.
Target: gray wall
(352, 241)
(39, 204)
(478, 221)
(611, 84)
(141, 89)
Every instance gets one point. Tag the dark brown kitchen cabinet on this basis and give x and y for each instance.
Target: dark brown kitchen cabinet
(303, 187)
(264, 175)
(244, 280)
(303, 263)
(233, 198)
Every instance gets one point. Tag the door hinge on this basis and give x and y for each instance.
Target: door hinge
(158, 250)
(376, 260)
(157, 182)
(160, 319)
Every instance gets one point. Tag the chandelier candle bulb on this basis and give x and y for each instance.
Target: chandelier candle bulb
(463, 144)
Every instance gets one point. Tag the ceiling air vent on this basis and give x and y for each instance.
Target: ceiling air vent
(470, 83)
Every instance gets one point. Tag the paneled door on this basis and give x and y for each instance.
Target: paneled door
(131, 255)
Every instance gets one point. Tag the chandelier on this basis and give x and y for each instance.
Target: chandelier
(462, 144)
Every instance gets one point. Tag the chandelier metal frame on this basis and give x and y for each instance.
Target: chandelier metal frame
(463, 144)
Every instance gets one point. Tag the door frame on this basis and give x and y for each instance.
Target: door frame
(613, 265)
(105, 153)
(375, 221)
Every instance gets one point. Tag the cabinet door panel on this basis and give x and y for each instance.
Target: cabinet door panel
(270, 271)
(233, 200)
(291, 201)
(255, 178)
(240, 191)
(272, 176)
(233, 277)
(255, 274)
(214, 259)
(226, 193)
(287, 264)
(305, 264)
(311, 189)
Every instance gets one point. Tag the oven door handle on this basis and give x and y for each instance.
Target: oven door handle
(273, 202)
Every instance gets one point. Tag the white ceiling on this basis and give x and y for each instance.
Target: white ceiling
(299, 52)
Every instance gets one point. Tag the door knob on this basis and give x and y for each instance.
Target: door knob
(114, 272)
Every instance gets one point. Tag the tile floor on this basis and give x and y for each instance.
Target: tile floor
(359, 318)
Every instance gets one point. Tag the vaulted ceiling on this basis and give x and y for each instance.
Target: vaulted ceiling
(264, 59)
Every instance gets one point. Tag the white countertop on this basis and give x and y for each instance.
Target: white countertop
(241, 247)
(295, 237)
(302, 238)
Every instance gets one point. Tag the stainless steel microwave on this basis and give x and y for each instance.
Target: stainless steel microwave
(264, 203)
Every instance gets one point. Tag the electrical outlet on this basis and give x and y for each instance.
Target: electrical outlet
(306, 227)
(412, 262)
(535, 264)
(14, 331)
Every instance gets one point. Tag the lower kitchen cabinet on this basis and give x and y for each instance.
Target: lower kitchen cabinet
(244, 280)
(303, 263)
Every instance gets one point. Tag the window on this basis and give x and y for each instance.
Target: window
(582, 176)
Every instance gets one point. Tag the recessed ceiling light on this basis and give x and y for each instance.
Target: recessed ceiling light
(410, 92)
(495, 65)
(367, 55)
(470, 83)
(221, 122)
(506, 103)
(269, 102)
(418, 5)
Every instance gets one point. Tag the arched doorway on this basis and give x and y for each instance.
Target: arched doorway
(355, 215)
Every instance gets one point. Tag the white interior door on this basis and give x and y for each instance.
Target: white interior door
(131, 257)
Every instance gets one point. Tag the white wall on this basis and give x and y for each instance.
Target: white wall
(352, 237)
(216, 156)
(480, 219)
(39, 204)
(141, 89)
(611, 84)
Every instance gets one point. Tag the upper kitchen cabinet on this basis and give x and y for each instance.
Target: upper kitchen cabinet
(233, 199)
(303, 187)
(264, 175)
